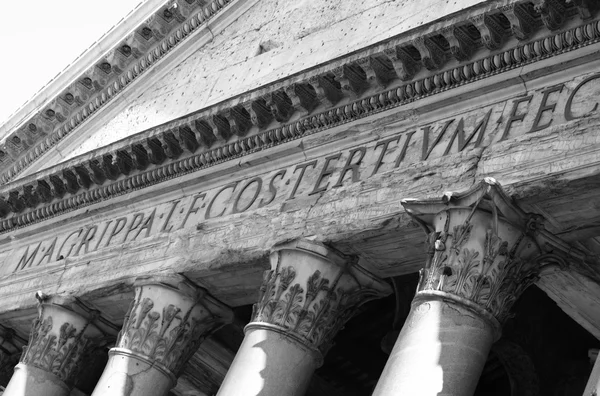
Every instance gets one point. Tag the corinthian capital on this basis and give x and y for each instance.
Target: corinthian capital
(61, 335)
(310, 293)
(167, 320)
(483, 250)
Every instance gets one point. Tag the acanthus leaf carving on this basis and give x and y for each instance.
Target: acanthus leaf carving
(58, 348)
(310, 307)
(490, 277)
(169, 332)
(483, 250)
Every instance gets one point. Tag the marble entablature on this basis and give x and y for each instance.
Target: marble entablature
(540, 109)
(209, 194)
(170, 142)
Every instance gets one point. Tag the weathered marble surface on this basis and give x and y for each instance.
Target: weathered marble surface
(226, 254)
(217, 225)
(272, 40)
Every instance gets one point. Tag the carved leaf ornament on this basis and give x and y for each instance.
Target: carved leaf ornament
(492, 278)
(485, 253)
(312, 309)
(169, 336)
(58, 354)
(161, 158)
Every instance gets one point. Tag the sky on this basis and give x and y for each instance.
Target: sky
(41, 37)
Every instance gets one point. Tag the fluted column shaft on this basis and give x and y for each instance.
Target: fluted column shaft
(167, 321)
(481, 257)
(58, 341)
(306, 297)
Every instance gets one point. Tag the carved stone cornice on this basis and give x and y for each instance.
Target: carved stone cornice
(197, 141)
(553, 13)
(462, 45)
(60, 337)
(586, 8)
(433, 55)
(483, 251)
(167, 321)
(522, 19)
(493, 34)
(311, 292)
(171, 25)
(405, 65)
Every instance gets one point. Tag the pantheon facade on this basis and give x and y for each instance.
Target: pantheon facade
(326, 197)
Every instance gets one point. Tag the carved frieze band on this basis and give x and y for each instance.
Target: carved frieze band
(166, 326)
(172, 150)
(312, 306)
(173, 23)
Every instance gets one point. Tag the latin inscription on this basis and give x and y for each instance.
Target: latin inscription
(526, 114)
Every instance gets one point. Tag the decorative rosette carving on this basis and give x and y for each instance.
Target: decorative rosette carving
(482, 250)
(310, 293)
(59, 338)
(168, 320)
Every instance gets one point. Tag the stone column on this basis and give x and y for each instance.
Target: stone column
(168, 319)
(304, 300)
(482, 253)
(60, 337)
(593, 386)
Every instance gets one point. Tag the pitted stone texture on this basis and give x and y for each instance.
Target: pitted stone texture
(273, 40)
(441, 351)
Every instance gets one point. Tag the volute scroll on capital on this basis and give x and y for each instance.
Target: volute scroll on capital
(483, 251)
(311, 292)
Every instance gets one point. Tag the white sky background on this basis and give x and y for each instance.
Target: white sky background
(40, 38)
